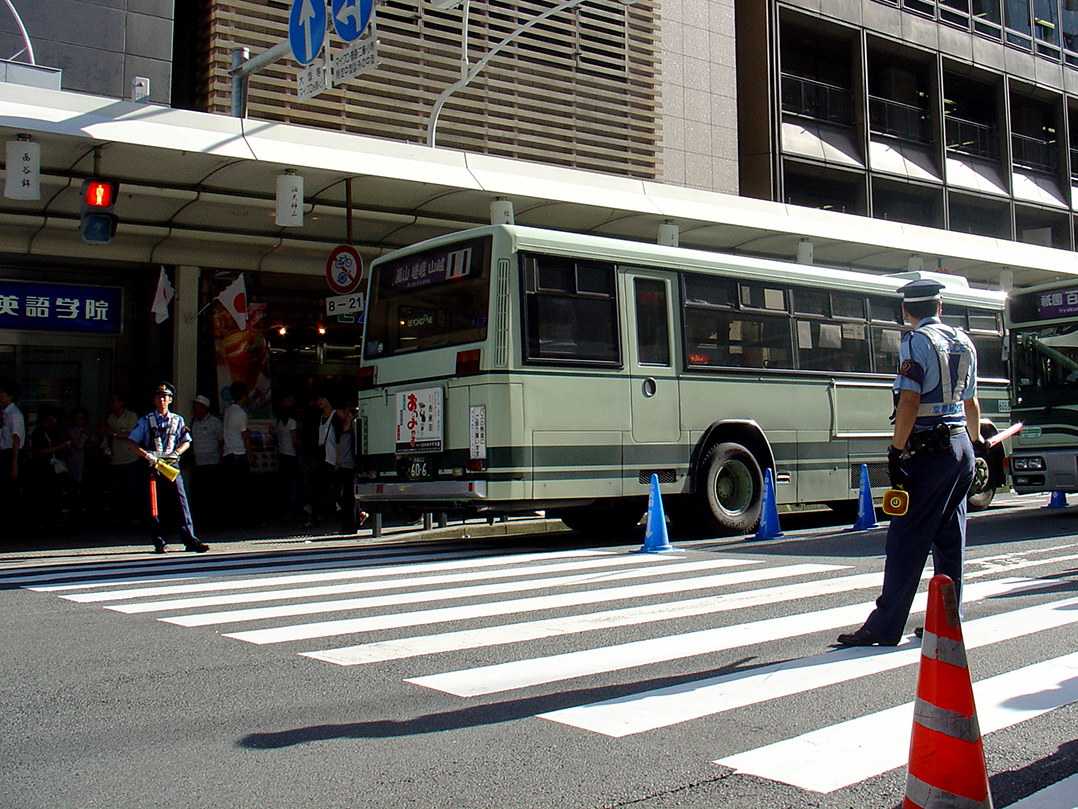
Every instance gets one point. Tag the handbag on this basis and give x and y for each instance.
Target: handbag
(58, 466)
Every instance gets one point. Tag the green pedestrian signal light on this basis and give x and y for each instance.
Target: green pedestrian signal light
(97, 224)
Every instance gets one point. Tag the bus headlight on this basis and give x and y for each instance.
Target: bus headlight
(1032, 463)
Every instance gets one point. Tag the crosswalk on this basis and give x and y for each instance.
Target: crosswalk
(478, 623)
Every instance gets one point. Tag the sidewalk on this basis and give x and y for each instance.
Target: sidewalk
(112, 544)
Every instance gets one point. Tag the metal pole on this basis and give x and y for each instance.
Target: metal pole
(432, 124)
(243, 67)
(428, 522)
(376, 529)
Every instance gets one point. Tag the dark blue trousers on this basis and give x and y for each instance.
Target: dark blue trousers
(172, 508)
(935, 523)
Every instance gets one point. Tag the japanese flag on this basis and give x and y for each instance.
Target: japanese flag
(161, 298)
(234, 299)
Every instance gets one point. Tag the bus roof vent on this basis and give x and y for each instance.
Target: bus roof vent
(945, 278)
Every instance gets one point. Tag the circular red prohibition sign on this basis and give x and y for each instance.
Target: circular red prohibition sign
(343, 269)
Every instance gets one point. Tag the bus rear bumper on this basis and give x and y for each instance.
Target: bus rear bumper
(440, 490)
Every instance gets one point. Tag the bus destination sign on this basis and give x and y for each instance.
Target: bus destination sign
(431, 269)
(1057, 303)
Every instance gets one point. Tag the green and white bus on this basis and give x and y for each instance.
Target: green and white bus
(510, 369)
(1042, 323)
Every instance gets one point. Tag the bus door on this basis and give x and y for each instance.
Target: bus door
(656, 406)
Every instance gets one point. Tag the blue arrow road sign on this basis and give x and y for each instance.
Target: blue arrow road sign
(307, 29)
(350, 18)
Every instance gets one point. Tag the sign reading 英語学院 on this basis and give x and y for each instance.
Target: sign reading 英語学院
(34, 306)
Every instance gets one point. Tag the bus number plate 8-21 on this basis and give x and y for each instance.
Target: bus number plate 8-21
(416, 467)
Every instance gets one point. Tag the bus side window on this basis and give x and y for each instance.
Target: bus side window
(652, 322)
(570, 312)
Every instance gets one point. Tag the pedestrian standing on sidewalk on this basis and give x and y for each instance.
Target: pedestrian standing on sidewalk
(344, 479)
(238, 456)
(207, 443)
(937, 421)
(12, 441)
(323, 501)
(288, 465)
(163, 436)
(124, 476)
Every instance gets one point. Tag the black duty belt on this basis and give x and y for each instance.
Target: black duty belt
(929, 442)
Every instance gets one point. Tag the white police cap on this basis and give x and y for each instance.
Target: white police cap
(923, 290)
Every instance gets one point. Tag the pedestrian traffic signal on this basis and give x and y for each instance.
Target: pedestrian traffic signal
(98, 222)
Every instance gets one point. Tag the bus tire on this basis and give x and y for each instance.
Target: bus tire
(981, 494)
(620, 518)
(731, 494)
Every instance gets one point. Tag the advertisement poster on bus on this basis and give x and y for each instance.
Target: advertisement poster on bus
(243, 356)
(419, 420)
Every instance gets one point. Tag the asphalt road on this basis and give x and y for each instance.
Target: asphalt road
(543, 670)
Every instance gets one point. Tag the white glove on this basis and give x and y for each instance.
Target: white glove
(151, 457)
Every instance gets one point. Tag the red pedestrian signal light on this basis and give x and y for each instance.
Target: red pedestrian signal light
(97, 223)
(99, 193)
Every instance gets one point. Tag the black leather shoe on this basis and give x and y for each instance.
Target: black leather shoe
(158, 548)
(200, 547)
(862, 637)
(919, 632)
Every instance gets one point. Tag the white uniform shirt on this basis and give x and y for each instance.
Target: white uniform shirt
(12, 424)
(235, 425)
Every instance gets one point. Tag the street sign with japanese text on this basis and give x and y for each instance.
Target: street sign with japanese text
(355, 60)
(34, 306)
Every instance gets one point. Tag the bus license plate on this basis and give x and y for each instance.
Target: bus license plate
(417, 467)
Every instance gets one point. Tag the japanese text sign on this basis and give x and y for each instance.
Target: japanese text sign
(32, 306)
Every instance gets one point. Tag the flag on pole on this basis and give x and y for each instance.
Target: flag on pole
(234, 299)
(161, 298)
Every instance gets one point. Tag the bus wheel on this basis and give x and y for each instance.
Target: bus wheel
(981, 493)
(733, 488)
(616, 519)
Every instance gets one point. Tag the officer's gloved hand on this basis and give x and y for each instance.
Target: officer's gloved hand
(171, 458)
(980, 449)
(896, 465)
(151, 457)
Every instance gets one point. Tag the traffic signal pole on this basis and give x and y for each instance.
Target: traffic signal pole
(243, 66)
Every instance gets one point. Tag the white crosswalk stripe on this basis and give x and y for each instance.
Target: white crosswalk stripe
(604, 612)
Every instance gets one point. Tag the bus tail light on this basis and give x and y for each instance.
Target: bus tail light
(365, 377)
(474, 465)
(468, 362)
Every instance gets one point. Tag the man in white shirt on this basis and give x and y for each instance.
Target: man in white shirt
(12, 439)
(238, 455)
(207, 443)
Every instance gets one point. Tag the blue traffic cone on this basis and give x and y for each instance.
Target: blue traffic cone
(656, 538)
(769, 511)
(866, 510)
(1058, 500)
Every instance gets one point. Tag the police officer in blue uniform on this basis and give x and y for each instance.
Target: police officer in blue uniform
(162, 435)
(937, 420)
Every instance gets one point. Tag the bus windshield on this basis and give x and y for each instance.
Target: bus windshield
(436, 298)
(1046, 366)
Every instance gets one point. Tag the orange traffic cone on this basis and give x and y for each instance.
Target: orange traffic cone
(947, 767)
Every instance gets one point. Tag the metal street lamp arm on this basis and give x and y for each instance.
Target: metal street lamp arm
(482, 63)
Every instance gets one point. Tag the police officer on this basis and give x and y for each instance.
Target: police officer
(161, 435)
(937, 419)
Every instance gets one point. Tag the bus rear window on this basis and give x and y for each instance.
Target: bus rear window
(436, 298)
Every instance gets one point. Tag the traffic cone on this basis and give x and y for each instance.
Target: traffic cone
(947, 766)
(866, 510)
(1057, 500)
(769, 511)
(656, 538)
